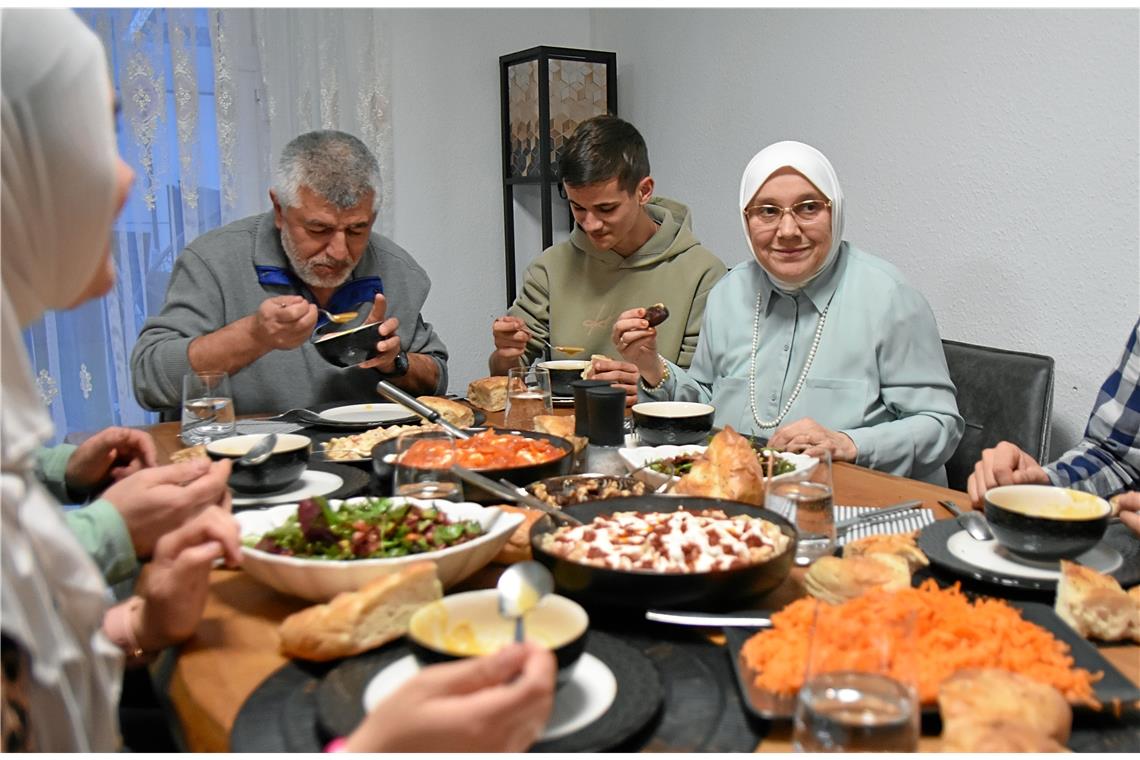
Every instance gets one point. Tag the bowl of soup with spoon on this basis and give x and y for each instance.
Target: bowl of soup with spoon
(1046, 523)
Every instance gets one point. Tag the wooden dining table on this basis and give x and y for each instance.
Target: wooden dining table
(234, 649)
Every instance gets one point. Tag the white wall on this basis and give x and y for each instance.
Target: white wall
(448, 162)
(991, 155)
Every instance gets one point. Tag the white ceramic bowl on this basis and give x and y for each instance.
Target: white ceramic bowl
(641, 455)
(320, 580)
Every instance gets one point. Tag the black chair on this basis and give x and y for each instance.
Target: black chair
(1003, 396)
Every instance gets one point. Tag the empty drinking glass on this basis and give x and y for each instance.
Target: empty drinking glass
(528, 395)
(807, 502)
(858, 696)
(207, 407)
(423, 466)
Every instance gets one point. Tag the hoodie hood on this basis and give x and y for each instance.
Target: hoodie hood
(674, 236)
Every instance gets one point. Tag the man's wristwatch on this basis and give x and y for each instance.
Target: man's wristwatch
(400, 366)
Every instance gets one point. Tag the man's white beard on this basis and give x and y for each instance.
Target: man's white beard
(305, 269)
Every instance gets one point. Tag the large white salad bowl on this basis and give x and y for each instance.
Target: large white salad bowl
(321, 579)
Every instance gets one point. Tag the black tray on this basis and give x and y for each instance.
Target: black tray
(1118, 695)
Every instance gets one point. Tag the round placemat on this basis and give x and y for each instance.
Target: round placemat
(340, 696)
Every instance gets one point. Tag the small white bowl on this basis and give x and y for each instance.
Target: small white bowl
(320, 580)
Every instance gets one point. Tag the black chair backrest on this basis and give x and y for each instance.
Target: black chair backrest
(1003, 396)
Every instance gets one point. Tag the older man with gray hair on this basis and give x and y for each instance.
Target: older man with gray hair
(244, 298)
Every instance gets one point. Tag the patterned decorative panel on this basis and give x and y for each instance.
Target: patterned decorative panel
(577, 92)
(522, 109)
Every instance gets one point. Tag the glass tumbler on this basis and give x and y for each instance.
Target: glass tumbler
(423, 466)
(807, 502)
(207, 407)
(858, 696)
(528, 395)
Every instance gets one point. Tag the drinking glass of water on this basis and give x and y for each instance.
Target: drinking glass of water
(808, 504)
(423, 466)
(207, 407)
(858, 696)
(528, 395)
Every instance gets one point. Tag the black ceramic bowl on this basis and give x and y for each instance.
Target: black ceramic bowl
(282, 469)
(636, 590)
(1046, 523)
(383, 470)
(347, 348)
(468, 624)
(562, 373)
(660, 423)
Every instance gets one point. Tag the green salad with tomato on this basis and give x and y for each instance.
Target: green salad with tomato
(372, 529)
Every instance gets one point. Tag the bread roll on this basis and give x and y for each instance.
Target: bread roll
(517, 548)
(1094, 605)
(897, 544)
(356, 621)
(454, 412)
(588, 372)
(189, 454)
(561, 425)
(489, 393)
(727, 470)
(992, 694)
(834, 580)
(981, 734)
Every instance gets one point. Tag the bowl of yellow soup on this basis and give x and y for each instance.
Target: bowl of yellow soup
(1046, 523)
(469, 625)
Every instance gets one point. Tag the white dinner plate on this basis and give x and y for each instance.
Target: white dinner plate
(577, 703)
(312, 483)
(993, 558)
(368, 414)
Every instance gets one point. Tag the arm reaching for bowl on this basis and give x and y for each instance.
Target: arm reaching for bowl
(281, 323)
(497, 703)
(1127, 507)
(414, 372)
(1003, 465)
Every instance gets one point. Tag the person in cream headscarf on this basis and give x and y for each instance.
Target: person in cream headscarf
(813, 344)
(63, 183)
(62, 648)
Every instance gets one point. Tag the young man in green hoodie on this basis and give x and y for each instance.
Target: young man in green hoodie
(628, 249)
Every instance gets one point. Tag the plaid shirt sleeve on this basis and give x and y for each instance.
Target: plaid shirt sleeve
(1107, 460)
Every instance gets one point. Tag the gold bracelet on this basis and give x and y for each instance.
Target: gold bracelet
(661, 382)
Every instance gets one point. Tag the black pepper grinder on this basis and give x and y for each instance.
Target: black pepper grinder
(606, 410)
(581, 412)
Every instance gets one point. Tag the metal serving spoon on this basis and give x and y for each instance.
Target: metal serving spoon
(974, 523)
(260, 452)
(521, 587)
(340, 319)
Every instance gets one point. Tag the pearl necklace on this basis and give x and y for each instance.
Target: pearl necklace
(803, 375)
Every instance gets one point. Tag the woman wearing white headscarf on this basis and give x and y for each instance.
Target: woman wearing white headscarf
(813, 344)
(63, 183)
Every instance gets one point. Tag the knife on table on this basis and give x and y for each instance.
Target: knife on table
(708, 619)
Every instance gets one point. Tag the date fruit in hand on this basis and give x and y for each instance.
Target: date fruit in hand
(656, 314)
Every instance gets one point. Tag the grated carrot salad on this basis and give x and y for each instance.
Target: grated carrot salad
(951, 634)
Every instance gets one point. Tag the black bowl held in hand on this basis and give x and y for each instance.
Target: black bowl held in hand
(1046, 523)
(595, 586)
(347, 348)
(384, 466)
(661, 423)
(282, 469)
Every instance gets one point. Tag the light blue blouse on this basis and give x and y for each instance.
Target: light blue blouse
(879, 373)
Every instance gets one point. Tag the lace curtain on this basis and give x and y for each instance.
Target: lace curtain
(208, 99)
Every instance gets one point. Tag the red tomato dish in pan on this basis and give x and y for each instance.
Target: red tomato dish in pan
(488, 450)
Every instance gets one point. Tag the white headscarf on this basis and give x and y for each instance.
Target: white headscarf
(818, 170)
(58, 164)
